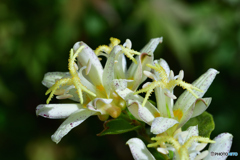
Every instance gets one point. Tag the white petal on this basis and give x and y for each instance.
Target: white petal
(120, 84)
(120, 67)
(145, 114)
(186, 115)
(201, 146)
(137, 74)
(223, 144)
(162, 102)
(151, 45)
(84, 81)
(192, 131)
(72, 121)
(87, 54)
(139, 150)
(98, 108)
(161, 124)
(51, 77)
(108, 73)
(149, 48)
(200, 106)
(203, 82)
(57, 111)
(202, 155)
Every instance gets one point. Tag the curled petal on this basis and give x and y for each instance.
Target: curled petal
(203, 82)
(99, 105)
(200, 106)
(72, 121)
(161, 124)
(86, 55)
(57, 111)
(139, 150)
(223, 144)
(145, 114)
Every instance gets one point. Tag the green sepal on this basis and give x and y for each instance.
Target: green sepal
(119, 125)
(205, 124)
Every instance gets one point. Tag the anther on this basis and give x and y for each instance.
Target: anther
(170, 95)
(180, 75)
(171, 75)
(149, 75)
(127, 44)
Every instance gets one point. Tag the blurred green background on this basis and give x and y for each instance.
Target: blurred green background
(36, 36)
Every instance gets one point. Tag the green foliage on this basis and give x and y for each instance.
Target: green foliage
(119, 125)
(205, 124)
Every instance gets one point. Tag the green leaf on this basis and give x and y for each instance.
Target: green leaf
(205, 124)
(119, 126)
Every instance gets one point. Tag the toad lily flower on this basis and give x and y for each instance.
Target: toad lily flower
(167, 114)
(95, 88)
(185, 145)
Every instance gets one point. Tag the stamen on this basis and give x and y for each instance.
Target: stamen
(103, 48)
(197, 138)
(160, 70)
(148, 89)
(170, 95)
(55, 87)
(180, 75)
(59, 91)
(162, 150)
(165, 83)
(167, 139)
(128, 44)
(171, 75)
(64, 96)
(146, 84)
(114, 42)
(149, 75)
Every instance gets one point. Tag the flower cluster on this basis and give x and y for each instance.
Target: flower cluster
(110, 89)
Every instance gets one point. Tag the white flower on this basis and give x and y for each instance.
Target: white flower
(188, 105)
(185, 145)
(167, 119)
(96, 87)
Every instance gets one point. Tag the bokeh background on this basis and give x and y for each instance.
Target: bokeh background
(36, 36)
